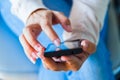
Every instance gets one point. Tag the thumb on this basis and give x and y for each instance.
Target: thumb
(88, 46)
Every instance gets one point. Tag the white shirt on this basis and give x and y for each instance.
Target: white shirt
(86, 16)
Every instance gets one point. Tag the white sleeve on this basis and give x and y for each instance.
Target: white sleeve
(23, 8)
(87, 18)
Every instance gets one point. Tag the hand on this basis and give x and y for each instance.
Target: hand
(41, 20)
(72, 62)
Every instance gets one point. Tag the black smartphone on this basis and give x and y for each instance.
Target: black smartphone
(66, 48)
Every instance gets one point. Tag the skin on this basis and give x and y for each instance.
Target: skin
(42, 20)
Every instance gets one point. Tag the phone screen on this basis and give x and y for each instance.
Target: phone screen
(65, 49)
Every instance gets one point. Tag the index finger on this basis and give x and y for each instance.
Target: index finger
(46, 25)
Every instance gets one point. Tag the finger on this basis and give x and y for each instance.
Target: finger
(46, 25)
(88, 46)
(31, 32)
(73, 63)
(82, 56)
(63, 20)
(29, 51)
(50, 64)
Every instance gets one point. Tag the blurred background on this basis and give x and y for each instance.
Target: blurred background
(112, 39)
(113, 35)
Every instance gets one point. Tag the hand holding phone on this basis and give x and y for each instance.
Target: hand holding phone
(66, 48)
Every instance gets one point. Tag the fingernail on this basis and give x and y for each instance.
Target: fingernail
(37, 47)
(57, 42)
(83, 43)
(41, 53)
(63, 59)
(32, 59)
(87, 47)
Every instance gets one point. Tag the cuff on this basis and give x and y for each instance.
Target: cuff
(23, 8)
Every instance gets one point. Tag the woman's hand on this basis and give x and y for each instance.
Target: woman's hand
(73, 62)
(41, 20)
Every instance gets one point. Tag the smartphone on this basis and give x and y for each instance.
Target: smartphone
(65, 49)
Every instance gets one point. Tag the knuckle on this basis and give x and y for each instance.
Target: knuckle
(47, 13)
(28, 50)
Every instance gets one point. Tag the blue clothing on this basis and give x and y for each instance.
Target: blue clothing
(96, 67)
